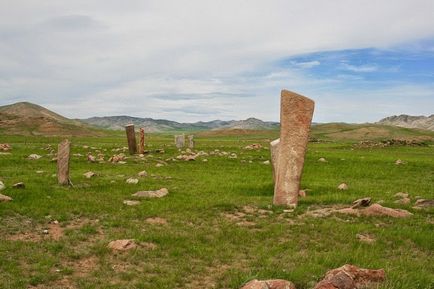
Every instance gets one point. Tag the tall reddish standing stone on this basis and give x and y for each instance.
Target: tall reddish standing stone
(142, 141)
(63, 156)
(296, 113)
(131, 137)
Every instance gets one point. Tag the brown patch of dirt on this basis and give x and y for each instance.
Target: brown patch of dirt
(65, 283)
(156, 221)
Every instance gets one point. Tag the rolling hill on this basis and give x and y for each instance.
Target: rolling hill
(24, 118)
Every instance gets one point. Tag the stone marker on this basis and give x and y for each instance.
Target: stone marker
(142, 141)
(191, 141)
(63, 156)
(296, 113)
(180, 141)
(131, 137)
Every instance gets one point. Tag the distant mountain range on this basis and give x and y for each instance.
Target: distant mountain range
(408, 121)
(159, 125)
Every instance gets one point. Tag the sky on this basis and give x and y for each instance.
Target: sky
(200, 60)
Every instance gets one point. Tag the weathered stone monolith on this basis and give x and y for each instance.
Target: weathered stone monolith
(131, 137)
(191, 141)
(274, 149)
(63, 156)
(296, 113)
(142, 141)
(180, 141)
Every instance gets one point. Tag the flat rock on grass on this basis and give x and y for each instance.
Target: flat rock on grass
(343, 187)
(142, 174)
(132, 181)
(131, 203)
(88, 175)
(350, 277)
(422, 203)
(122, 245)
(4, 198)
(152, 194)
(19, 185)
(373, 210)
(34, 157)
(269, 284)
(156, 221)
(2, 186)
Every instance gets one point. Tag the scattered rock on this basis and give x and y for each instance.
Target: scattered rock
(254, 146)
(142, 174)
(5, 147)
(269, 284)
(89, 174)
(2, 186)
(4, 198)
(19, 185)
(122, 245)
(399, 162)
(34, 157)
(159, 165)
(376, 210)
(117, 158)
(403, 201)
(322, 160)
(156, 221)
(302, 193)
(152, 194)
(422, 203)
(365, 238)
(131, 203)
(91, 158)
(365, 202)
(401, 195)
(350, 277)
(343, 187)
(40, 172)
(132, 181)
(266, 162)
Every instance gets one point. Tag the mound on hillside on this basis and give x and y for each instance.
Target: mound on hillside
(24, 118)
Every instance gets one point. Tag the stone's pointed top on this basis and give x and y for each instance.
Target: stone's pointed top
(288, 93)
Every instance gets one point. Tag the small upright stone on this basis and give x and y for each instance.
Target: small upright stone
(131, 138)
(180, 141)
(295, 119)
(274, 149)
(142, 141)
(63, 156)
(191, 141)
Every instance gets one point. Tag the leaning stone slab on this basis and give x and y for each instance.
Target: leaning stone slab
(152, 194)
(63, 157)
(131, 138)
(295, 119)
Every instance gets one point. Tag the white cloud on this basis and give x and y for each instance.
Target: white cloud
(359, 68)
(154, 58)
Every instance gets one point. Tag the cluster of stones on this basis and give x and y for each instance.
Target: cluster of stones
(345, 277)
(4, 147)
(390, 142)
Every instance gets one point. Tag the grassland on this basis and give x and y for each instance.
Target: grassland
(221, 230)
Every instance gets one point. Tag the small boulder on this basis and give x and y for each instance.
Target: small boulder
(343, 187)
(365, 202)
(4, 198)
(142, 174)
(34, 157)
(322, 160)
(269, 284)
(89, 174)
(19, 185)
(266, 162)
(403, 201)
(122, 245)
(91, 158)
(132, 181)
(131, 203)
(152, 194)
(2, 186)
(422, 203)
(399, 162)
(401, 195)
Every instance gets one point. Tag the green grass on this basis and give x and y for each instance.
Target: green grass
(200, 246)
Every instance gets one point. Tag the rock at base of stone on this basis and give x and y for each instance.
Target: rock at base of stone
(296, 113)
(349, 277)
(152, 194)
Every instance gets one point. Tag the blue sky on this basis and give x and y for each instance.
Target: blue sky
(205, 60)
